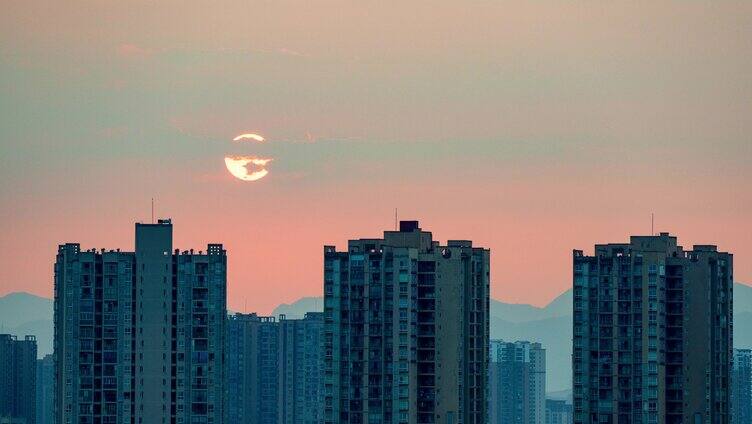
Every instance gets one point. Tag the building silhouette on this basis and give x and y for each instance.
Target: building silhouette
(652, 333)
(274, 369)
(139, 336)
(517, 383)
(741, 391)
(18, 360)
(406, 330)
(300, 366)
(45, 388)
(558, 412)
(252, 369)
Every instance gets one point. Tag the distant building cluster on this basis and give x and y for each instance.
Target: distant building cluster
(274, 369)
(741, 389)
(45, 390)
(558, 411)
(517, 382)
(144, 337)
(18, 361)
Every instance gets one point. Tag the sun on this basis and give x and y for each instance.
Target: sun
(248, 168)
(239, 167)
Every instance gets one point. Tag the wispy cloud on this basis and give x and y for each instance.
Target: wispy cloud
(129, 50)
(289, 52)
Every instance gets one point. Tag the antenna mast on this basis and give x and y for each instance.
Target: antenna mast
(152, 210)
(395, 220)
(652, 224)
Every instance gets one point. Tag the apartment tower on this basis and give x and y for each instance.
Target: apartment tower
(558, 411)
(18, 365)
(406, 330)
(139, 336)
(45, 390)
(300, 365)
(252, 369)
(274, 369)
(741, 390)
(652, 333)
(517, 383)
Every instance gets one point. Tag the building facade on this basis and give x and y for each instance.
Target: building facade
(139, 336)
(18, 359)
(274, 369)
(558, 412)
(741, 392)
(45, 387)
(252, 369)
(517, 383)
(406, 330)
(300, 366)
(652, 333)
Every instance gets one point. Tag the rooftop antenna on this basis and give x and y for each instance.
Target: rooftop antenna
(395, 219)
(152, 210)
(652, 223)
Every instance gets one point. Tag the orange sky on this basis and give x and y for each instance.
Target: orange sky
(530, 128)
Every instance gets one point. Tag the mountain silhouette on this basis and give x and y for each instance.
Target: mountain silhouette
(551, 325)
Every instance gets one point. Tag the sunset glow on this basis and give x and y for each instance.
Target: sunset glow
(531, 128)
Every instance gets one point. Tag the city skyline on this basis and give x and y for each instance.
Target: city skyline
(530, 128)
(244, 301)
(426, 212)
(671, 286)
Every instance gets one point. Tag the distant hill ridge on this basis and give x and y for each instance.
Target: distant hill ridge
(551, 325)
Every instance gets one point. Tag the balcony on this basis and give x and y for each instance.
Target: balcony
(426, 330)
(426, 343)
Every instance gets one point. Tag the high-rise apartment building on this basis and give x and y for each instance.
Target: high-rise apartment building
(93, 344)
(558, 412)
(741, 390)
(406, 330)
(18, 365)
(274, 369)
(300, 366)
(45, 390)
(517, 383)
(139, 336)
(252, 369)
(652, 333)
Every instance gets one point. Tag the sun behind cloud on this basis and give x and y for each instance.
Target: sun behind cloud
(238, 167)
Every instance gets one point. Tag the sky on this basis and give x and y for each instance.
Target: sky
(531, 128)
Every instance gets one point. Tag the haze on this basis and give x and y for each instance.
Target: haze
(531, 128)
